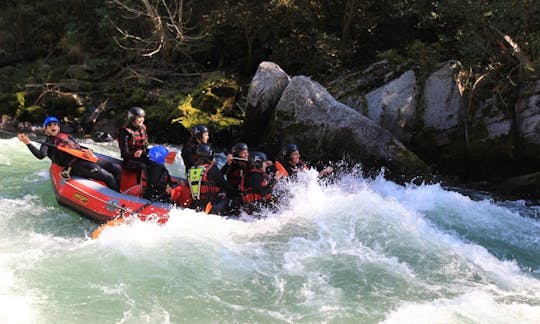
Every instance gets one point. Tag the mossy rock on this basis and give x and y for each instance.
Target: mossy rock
(212, 104)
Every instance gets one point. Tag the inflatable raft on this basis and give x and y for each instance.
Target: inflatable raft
(95, 201)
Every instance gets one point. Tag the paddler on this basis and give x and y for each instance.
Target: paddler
(74, 164)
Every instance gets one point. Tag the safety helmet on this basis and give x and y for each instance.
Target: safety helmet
(204, 152)
(50, 119)
(239, 147)
(198, 131)
(256, 159)
(288, 149)
(158, 154)
(135, 112)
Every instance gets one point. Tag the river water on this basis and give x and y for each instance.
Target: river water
(355, 251)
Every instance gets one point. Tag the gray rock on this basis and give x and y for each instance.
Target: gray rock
(267, 86)
(264, 92)
(327, 129)
(443, 103)
(393, 106)
(528, 116)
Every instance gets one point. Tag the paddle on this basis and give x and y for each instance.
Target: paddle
(122, 218)
(281, 169)
(76, 153)
(71, 151)
(208, 208)
(169, 159)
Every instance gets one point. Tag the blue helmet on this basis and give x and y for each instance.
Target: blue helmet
(287, 150)
(158, 154)
(257, 159)
(50, 119)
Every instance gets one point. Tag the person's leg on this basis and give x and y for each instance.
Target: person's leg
(112, 167)
(87, 169)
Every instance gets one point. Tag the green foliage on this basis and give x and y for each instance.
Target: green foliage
(53, 39)
(212, 104)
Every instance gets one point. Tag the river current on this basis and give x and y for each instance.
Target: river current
(357, 250)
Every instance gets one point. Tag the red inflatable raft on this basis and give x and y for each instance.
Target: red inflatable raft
(94, 200)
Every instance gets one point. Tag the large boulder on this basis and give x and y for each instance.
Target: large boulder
(264, 92)
(393, 106)
(443, 104)
(440, 134)
(528, 122)
(490, 141)
(326, 129)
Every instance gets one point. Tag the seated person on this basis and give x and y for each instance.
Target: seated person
(102, 170)
(236, 166)
(199, 135)
(293, 164)
(258, 184)
(207, 184)
(133, 144)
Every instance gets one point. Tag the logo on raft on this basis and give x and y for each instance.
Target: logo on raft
(80, 198)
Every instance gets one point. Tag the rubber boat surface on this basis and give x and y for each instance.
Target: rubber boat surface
(95, 201)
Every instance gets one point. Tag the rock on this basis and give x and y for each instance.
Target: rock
(101, 137)
(525, 185)
(443, 104)
(264, 93)
(393, 106)
(326, 129)
(528, 121)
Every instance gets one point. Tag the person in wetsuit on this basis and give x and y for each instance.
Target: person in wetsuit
(102, 170)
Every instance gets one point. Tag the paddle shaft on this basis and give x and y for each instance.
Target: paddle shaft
(153, 200)
(75, 152)
(36, 141)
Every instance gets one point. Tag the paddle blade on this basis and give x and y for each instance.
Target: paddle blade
(78, 153)
(171, 156)
(112, 223)
(208, 208)
(281, 169)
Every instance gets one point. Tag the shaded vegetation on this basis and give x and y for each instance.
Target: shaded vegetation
(68, 57)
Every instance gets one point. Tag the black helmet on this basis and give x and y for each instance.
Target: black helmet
(135, 112)
(198, 131)
(256, 159)
(204, 152)
(287, 150)
(239, 147)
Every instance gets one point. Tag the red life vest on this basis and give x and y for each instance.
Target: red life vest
(249, 195)
(63, 139)
(139, 138)
(236, 173)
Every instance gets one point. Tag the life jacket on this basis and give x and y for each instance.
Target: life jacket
(236, 174)
(139, 138)
(201, 188)
(294, 169)
(248, 193)
(155, 181)
(64, 140)
(59, 157)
